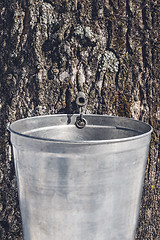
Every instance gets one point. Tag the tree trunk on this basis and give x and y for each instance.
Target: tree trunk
(50, 50)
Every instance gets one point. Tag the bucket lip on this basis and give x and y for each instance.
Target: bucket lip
(83, 142)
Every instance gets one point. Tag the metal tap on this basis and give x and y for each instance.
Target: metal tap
(81, 102)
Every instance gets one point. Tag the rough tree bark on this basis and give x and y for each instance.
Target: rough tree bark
(50, 50)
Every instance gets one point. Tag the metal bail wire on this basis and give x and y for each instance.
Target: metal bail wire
(81, 103)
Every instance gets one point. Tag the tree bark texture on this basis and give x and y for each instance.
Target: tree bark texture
(50, 50)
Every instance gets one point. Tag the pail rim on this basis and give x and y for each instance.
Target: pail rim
(148, 131)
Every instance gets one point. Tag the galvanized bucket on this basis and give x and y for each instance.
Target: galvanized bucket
(80, 184)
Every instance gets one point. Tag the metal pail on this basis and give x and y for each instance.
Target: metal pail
(80, 184)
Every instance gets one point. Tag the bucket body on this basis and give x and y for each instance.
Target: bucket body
(80, 184)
